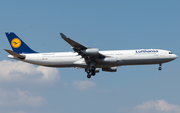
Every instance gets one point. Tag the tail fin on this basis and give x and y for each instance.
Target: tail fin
(17, 44)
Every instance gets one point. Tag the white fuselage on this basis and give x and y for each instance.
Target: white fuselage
(124, 57)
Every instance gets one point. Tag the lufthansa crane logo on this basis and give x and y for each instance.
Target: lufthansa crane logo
(16, 43)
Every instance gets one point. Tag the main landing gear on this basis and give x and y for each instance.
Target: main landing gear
(160, 68)
(91, 71)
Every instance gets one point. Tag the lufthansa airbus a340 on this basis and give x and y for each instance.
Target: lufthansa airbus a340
(91, 59)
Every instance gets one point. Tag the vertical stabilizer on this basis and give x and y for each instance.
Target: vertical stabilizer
(17, 44)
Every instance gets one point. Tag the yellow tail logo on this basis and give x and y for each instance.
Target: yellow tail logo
(16, 43)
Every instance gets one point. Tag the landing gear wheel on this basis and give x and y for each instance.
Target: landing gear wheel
(93, 73)
(160, 68)
(88, 76)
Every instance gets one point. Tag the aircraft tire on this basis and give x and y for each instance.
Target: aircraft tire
(93, 73)
(160, 68)
(88, 76)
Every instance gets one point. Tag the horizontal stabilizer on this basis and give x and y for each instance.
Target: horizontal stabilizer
(15, 54)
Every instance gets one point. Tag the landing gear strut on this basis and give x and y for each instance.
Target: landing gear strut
(91, 71)
(160, 68)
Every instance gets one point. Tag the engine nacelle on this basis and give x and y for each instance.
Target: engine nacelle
(110, 69)
(91, 51)
(110, 59)
(97, 70)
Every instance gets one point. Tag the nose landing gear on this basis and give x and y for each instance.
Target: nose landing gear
(160, 68)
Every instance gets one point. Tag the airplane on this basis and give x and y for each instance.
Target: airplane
(91, 59)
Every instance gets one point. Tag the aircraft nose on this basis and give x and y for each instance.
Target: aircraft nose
(175, 56)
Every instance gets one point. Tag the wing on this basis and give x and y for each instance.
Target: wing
(86, 52)
(76, 46)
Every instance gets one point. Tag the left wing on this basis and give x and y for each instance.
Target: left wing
(86, 52)
(74, 44)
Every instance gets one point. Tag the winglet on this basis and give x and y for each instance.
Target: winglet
(63, 36)
(15, 54)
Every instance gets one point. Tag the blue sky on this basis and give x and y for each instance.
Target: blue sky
(103, 24)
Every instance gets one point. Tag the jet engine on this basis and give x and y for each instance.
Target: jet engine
(91, 51)
(110, 60)
(97, 70)
(110, 69)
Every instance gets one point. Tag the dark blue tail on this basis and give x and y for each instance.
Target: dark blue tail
(17, 44)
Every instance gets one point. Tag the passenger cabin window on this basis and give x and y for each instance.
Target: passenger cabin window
(170, 52)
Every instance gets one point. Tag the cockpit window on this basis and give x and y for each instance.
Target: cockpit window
(170, 52)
